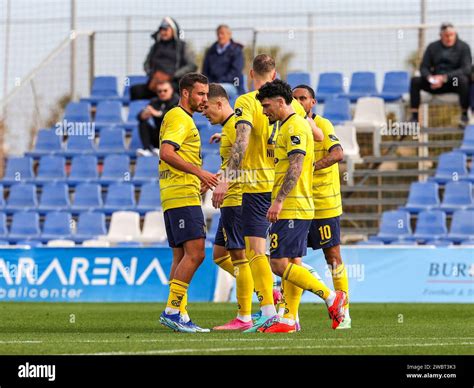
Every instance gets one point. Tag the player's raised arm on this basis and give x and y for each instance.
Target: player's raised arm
(318, 134)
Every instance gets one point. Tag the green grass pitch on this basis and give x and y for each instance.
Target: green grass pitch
(132, 328)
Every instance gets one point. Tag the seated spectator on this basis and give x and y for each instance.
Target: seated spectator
(168, 60)
(224, 62)
(445, 68)
(151, 116)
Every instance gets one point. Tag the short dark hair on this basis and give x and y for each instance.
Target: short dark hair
(263, 64)
(308, 88)
(445, 26)
(276, 88)
(188, 81)
(216, 91)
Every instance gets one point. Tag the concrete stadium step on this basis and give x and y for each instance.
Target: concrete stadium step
(393, 173)
(356, 230)
(429, 144)
(372, 188)
(400, 159)
(374, 201)
(360, 216)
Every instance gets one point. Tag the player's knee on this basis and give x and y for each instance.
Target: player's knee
(278, 266)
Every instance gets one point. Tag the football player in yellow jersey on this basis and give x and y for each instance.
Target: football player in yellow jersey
(292, 210)
(229, 245)
(181, 178)
(252, 159)
(325, 229)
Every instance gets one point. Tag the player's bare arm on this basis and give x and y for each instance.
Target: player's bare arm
(318, 134)
(336, 155)
(289, 182)
(169, 155)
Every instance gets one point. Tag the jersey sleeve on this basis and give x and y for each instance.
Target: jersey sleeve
(243, 110)
(173, 131)
(330, 139)
(296, 139)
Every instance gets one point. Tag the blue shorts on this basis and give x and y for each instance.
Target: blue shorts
(184, 224)
(288, 238)
(324, 233)
(231, 221)
(220, 238)
(254, 209)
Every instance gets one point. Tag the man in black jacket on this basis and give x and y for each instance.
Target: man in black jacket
(445, 68)
(168, 60)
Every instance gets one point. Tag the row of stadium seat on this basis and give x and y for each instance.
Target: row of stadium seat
(452, 166)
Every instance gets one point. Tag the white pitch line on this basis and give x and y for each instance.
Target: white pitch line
(256, 348)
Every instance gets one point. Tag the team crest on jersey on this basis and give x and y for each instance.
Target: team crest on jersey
(333, 137)
(238, 112)
(295, 140)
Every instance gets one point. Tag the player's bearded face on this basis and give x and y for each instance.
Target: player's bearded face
(198, 97)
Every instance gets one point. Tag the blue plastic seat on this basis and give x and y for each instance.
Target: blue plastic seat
(2, 197)
(135, 142)
(467, 145)
(129, 244)
(79, 145)
(439, 243)
(146, 170)
(120, 196)
(130, 81)
(30, 243)
(116, 168)
(451, 166)
(24, 226)
(3, 226)
(462, 226)
(395, 85)
(362, 85)
(422, 196)
(90, 225)
(330, 85)
(337, 110)
(109, 113)
(134, 109)
(103, 88)
(57, 225)
(83, 169)
(87, 196)
(22, 197)
(51, 168)
(112, 141)
(431, 225)
(149, 199)
(206, 130)
(47, 143)
(18, 169)
(470, 176)
(404, 242)
(78, 112)
(212, 163)
(298, 78)
(54, 197)
(395, 225)
(457, 196)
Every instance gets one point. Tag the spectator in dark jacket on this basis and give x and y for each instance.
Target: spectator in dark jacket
(445, 68)
(151, 116)
(224, 62)
(168, 60)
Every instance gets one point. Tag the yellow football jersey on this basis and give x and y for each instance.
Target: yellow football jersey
(233, 196)
(258, 166)
(326, 184)
(295, 136)
(180, 189)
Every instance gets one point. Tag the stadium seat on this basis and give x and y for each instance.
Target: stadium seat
(469, 242)
(60, 243)
(22, 197)
(369, 117)
(87, 196)
(109, 113)
(95, 243)
(395, 225)
(404, 242)
(467, 145)
(54, 197)
(120, 196)
(90, 225)
(83, 169)
(457, 196)
(3, 226)
(347, 136)
(115, 169)
(154, 230)
(146, 170)
(135, 142)
(330, 85)
(112, 141)
(24, 226)
(206, 131)
(130, 81)
(124, 226)
(337, 110)
(422, 196)
(362, 85)
(212, 163)
(134, 109)
(439, 243)
(79, 145)
(78, 112)
(51, 168)
(462, 226)
(431, 225)
(129, 244)
(2, 197)
(57, 225)
(30, 243)
(150, 199)
(4, 243)
(470, 176)
(18, 169)
(47, 143)
(395, 85)
(451, 166)
(370, 241)
(298, 78)
(103, 88)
